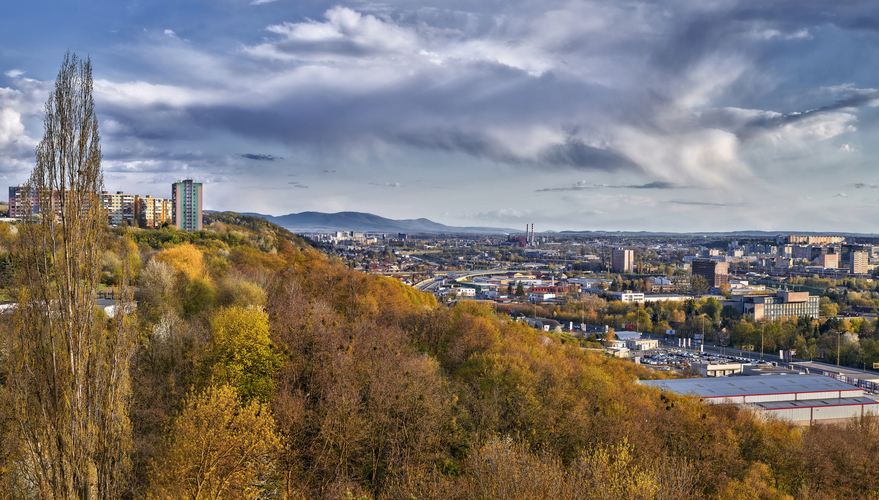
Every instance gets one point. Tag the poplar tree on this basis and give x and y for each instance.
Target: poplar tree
(69, 363)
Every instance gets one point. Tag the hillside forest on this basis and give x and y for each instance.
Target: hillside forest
(263, 369)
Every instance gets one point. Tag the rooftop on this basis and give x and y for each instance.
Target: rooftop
(721, 387)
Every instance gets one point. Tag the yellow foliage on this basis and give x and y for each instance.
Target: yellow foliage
(244, 351)
(217, 448)
(242, 293)
(185, 258)
(757, 485)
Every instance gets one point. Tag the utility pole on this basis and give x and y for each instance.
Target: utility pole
(837, 348)
(762, 334)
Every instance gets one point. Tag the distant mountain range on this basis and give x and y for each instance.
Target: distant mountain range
(317, 222)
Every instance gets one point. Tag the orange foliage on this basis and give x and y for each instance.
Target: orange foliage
(185, 258)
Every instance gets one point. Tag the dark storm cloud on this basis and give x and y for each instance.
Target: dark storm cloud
(259, 157)
(657, 185)
(578, 155)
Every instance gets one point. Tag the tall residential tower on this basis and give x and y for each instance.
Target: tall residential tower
(623, 260)
(186, 201)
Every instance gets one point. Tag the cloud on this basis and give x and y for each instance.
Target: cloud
(387, 184)
(704, 203)
(14, 73)
(259, 157)
(583, 186)
(847, 148)
(861, 185)
(260, 2)
(681, 94)
(840, 195)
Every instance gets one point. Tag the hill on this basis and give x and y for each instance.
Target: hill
(318, 222)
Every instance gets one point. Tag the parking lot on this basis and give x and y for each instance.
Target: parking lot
(679, 357)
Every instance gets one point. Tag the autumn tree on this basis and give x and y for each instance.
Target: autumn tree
(68, 376)
(245, 356)
(217, 448)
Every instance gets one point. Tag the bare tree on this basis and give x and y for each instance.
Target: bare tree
(69, 363)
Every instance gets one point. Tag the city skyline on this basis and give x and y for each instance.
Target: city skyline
(654, 116)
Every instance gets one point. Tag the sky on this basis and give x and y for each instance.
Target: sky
(675, 115)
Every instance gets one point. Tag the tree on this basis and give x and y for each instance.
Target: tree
(69, 375)
(217, 448)
(698, 285)
(520, 290)
(245, 355)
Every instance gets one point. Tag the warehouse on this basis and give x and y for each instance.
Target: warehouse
(802, 399)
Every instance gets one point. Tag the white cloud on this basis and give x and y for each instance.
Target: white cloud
(260, 2)
(14, 73)
(847, 148)
(841, 195)
(170, 33)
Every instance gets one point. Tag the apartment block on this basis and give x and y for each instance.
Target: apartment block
(623, 260)
(119, 207)
(152, 212)
(186, 205)
(828, 261)
(858, 263)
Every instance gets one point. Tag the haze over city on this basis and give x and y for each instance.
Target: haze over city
(656, 116)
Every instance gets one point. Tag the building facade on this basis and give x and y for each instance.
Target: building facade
(186, 205)
(119, 207)
(829, 261)
(715, 273)
(152, 212)
(858, 263)
(623, 260)
(781, 305)
(22, 201)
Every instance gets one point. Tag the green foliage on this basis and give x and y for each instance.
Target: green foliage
(244, 354)
(198, 295)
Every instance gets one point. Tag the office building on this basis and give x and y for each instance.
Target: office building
(783, 304)
(186, 205)
(858, 262)
(715, 273)
(623, 260)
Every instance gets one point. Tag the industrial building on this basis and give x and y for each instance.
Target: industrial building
(802, 399)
